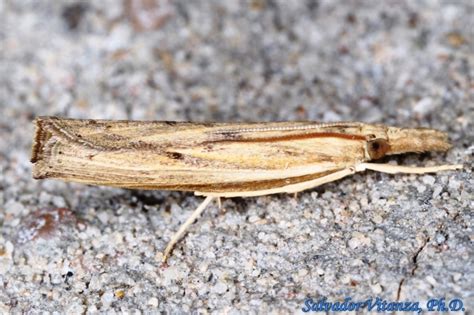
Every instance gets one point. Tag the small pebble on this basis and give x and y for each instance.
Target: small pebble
(358, 240)
(219, 288)
(153, 302)
(376, 288)
(437, 191)
(107, 299)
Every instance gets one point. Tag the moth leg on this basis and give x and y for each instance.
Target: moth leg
(295, 195)
(182, 230)
(219, 203)
(393, 169)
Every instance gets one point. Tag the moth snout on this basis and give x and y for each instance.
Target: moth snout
(417, 140)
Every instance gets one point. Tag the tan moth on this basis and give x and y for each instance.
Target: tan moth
(221, 159)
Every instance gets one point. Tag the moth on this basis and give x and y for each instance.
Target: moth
(221, 159)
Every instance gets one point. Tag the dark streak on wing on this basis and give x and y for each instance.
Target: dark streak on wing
(175, 155)
(221, 187)
(40, 139)
(140, 145)
(113, 137)
(228, 135)
(233, 137)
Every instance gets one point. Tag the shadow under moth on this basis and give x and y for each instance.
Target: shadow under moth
(221, 159)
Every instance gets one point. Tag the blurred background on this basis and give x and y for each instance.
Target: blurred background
(377, 61)
(407, 63)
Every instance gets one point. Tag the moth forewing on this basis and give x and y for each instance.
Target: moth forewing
(185, 156)
(221, 159)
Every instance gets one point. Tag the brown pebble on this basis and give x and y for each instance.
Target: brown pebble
(44, 223)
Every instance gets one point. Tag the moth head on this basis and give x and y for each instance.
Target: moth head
(404, 140)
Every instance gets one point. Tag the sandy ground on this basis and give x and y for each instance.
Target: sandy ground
(71, 248)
